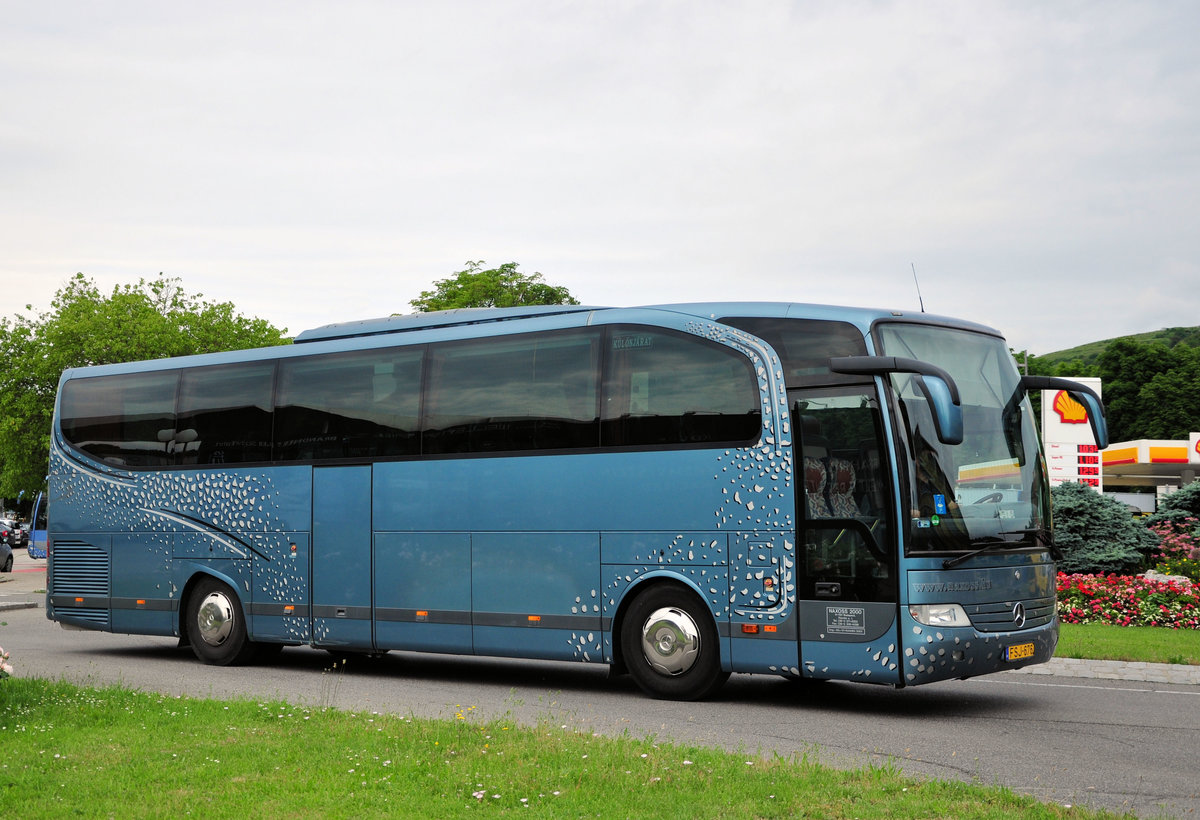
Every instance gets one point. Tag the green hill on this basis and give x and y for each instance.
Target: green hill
(1089, 353)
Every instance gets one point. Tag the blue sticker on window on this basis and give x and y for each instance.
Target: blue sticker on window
(939, 504)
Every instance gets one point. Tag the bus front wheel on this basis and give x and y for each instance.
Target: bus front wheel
(216, 627)
(669, 643)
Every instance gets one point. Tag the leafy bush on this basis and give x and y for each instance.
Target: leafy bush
(1175, 507)
(1096, 534)
(1125, 600)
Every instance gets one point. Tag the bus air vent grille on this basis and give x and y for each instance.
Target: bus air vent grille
(80, 569)
(89, 615)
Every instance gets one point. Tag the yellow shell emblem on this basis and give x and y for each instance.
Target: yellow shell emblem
(1069, 410)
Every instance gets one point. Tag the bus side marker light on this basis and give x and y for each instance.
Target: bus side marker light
(535, 620)
(770, 628)
(78, 602)
(750, 629)
(289, 609)
(141, 602)
(422, 614)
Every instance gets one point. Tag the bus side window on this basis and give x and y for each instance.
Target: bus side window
(666, 388)
(532, 391)
(361, 404)
(126, 421)
(224, 414)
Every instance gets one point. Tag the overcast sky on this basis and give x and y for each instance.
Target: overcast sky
(1038, 163)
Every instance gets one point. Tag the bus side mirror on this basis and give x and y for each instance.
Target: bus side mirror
(947, 414)
(935, 384)
(1082, 394)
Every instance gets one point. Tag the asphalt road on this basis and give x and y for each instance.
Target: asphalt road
(1122, 745)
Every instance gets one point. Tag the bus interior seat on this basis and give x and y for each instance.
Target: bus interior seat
(841, 488)
(816, 479)
(815, 453)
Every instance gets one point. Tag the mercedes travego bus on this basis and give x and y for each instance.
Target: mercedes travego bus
(677, 491)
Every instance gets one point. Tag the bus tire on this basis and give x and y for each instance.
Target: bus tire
(669, 644)
(216, 627)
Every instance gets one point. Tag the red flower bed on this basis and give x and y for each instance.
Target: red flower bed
(1127, 600)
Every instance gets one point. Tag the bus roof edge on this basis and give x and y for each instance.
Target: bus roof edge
(402, 323)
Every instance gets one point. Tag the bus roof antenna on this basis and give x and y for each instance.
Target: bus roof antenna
(918, 283)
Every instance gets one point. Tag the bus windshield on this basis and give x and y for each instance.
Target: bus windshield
(990, 492)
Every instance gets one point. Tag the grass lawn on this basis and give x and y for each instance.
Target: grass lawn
(112, 752)
(1151, 644)
(71, 751)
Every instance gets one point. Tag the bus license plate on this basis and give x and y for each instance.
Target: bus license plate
(1019, 651)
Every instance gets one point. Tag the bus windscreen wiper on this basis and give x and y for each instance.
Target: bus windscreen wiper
(990, 543)
(1040, 535)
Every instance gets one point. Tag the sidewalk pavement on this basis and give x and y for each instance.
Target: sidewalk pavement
(25, 588)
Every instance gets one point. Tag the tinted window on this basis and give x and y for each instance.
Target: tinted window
(537, 391)
(671, 388)
(805, 346)
(532, 391)
(349, 405)
(126, 420)
(224, 414)
(846, 510)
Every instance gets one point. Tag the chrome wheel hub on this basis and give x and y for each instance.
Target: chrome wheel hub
(670, 641)
(215, 618)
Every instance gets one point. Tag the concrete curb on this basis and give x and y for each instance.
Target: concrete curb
(1116, 670)
(17, 596)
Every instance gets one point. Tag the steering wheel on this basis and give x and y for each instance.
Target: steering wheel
(990, 498)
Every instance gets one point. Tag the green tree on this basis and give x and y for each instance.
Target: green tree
(1169, 409)
(149, 320)
(1096, 533)
(504, 286)
(1127, 366)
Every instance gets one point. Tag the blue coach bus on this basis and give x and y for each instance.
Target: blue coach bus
(678, 491)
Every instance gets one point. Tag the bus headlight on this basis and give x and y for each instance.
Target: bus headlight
(939, 614)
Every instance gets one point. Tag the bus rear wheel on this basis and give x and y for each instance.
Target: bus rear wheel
(216, 627)
(669, 644)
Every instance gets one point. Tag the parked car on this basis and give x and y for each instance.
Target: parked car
(13, 534)
(6, 557)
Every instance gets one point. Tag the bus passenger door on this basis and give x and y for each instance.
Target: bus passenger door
(847, 589)
(341, 557)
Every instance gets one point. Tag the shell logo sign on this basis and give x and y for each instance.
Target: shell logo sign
(1069, 410)
(1071, 452)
